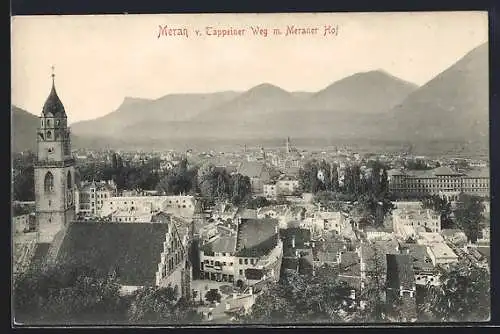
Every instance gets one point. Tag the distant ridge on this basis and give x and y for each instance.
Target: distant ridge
(372, 106)
(453, 105)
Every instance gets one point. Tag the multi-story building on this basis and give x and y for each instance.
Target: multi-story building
(181, 206)
(422, 219)
(285, 186)
(90, 196)
(253, 255)
(441, 181)
(258, 174)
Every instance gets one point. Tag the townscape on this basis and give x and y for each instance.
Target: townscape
(352, 196)
(256, 236)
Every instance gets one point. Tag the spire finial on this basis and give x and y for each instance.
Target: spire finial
(53, 74)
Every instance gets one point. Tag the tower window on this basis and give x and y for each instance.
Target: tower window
(69, 182)
(58, 122)
(49, 182)
(48, 123)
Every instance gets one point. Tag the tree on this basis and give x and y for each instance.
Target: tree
(67, 295)
(213, 296)
(304, 299)
(464, 294)
(442, 206)
(159, 305)
(308, 177)
(469, 215)
(24, 184)
(241, 188)
(257, 202)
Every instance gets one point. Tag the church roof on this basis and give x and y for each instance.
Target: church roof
(133, 249)
(53, 106)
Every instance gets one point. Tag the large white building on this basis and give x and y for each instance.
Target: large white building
(253, 255)
(90, 196)
(285, 186)
(441, 181)
(409, 222)
(180, 206)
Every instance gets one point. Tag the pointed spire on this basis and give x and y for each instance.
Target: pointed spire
(53, 75)
(53, 104)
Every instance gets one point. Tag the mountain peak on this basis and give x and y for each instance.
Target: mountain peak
(267, 87)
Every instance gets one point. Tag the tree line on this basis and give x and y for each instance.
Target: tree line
(368, 191)
(81, 295)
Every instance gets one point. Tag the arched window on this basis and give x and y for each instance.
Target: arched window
(49, 134)
(69, 182)
(48, 183)
(48, 123)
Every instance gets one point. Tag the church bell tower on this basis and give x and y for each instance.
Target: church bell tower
(54, 169)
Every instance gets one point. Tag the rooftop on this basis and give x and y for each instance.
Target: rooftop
(442, 250)
(133, 249)
(257, 235)
(222, 244)
(252, 169)
(400, 272)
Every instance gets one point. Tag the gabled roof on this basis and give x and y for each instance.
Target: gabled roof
(254, 234)
(223, 244)
(252, 169)
(132, 249)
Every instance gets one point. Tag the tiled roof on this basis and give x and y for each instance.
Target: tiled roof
(419, 257)
(38, 258)
(133, 249)
(53, 105)
(223, 244)
(254, 233)
(400, 272)
(252, 169)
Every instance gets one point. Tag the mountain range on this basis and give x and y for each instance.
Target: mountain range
(372, 105)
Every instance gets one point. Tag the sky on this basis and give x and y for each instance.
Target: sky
(99, 60)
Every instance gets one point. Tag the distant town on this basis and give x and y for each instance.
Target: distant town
(259, 235)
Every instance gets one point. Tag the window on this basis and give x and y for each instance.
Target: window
(241, 271)
(49, 134)
(241, 261)
(251, 261)
(48, 184)
(212, 262)
(69, 182)
(246, 261)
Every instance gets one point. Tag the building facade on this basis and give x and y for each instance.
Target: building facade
(441, 181)
(54, 170)
(246, 258)
(89, 198)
